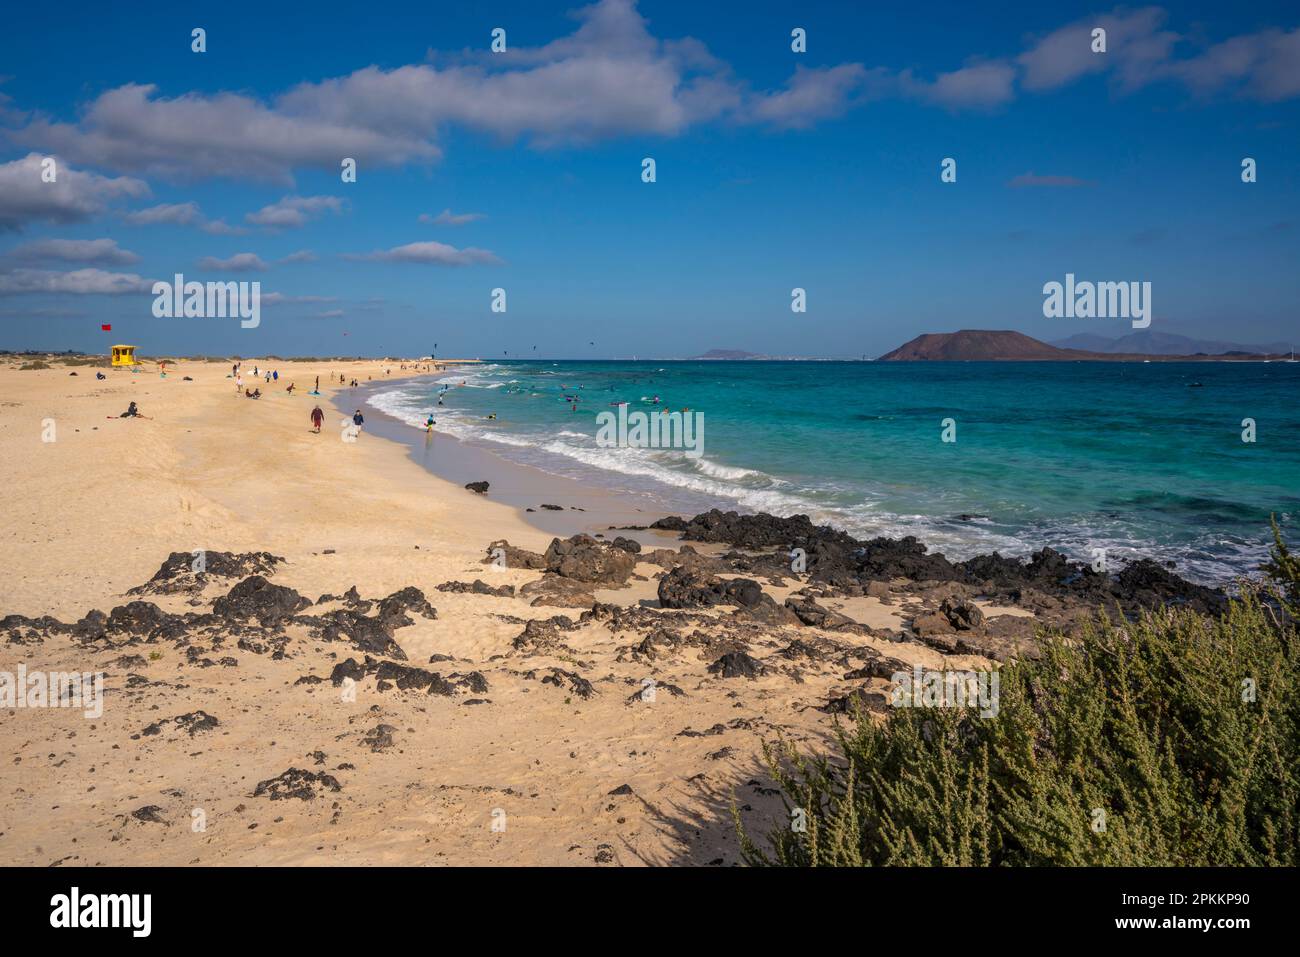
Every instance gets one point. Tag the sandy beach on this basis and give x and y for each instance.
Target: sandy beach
(338, 706)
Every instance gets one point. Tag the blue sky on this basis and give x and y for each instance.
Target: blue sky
(774, 170)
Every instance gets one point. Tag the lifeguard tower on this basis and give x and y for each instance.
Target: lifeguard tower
(124, 356)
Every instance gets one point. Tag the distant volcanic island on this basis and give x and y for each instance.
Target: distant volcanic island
(986, 345)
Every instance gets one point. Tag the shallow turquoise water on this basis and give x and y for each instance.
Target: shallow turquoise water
(1131, 457)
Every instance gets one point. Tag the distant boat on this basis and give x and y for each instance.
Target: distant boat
(1293, 358)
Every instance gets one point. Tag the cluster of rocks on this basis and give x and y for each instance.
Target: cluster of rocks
(391, 674)
(254, 611)
(193, 723)
(296, 783)
(191, 572)
(572, 568)
(477, 587)
(837, 558)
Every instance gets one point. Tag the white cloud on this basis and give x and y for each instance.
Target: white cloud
(240, 262)
(976, 86)
(1134, 42)
(105, 252)
(810, 96)
(181, 214)
(293, 212)
(226, 134)
(1266, 65)
(75, 195)
(448, 218)
(176, 214)
(611, 77)
(279, 298)
(430, 253)
(301, 256)
(76, 282)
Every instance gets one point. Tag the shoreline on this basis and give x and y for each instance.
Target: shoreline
(350, 678)
(525, 486)
(585, 507)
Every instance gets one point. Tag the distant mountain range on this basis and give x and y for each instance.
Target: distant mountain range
(1148, 343)
(729, 354)
(1006, 345)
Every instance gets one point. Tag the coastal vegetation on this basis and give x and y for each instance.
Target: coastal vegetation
(1171, 739)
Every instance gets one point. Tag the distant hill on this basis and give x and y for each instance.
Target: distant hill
(1148, 343)
(729, 354)
(975, 344)
(1007, 346)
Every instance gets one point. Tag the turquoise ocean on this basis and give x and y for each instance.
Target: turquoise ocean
(1138, 458)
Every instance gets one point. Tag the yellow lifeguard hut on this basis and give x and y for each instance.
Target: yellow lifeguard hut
(124, 356)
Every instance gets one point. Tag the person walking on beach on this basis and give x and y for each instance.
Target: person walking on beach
(358, 419)
(239, 384)
(317, 417)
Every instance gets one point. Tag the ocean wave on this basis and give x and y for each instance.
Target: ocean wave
(1013, 523)
(654, 464)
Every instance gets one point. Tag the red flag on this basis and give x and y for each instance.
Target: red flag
(106, 327)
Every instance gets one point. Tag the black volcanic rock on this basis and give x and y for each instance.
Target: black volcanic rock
(255, 597)
(194, 723)
(961, 613)
(408, 677)
(177, 574)
(392, 610)
(737, 664)
(515, 557)
(296, 783)
(684, 587)
(372, 635)
(583, 558)
(477, 587)
(837, 559)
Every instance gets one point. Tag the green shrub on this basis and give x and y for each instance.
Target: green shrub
(1137, 743)
(1284, 570)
